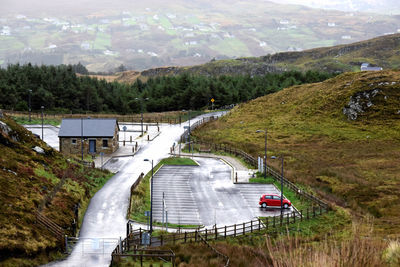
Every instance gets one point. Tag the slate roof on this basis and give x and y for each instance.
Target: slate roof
(91, 127)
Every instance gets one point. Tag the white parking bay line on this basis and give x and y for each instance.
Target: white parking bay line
(173, 181)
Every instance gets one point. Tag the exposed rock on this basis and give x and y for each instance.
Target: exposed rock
(359, 103)
(38, 150)
(4, 128)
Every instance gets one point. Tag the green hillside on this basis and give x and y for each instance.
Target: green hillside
(381, 51)
(352, 163)
(27, 180)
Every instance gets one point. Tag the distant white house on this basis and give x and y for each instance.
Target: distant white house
(85, 45)
(367, 67)
(346, 37)
(284, 22)
(6, 31)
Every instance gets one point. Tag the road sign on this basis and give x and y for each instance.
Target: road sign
(145, 238)
(212, 100)
(124, 128)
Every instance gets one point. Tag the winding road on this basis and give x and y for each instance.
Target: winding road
(105, 219)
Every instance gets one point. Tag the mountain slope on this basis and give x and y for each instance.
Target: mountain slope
(382, 51)
(37, 181)
(340, 137)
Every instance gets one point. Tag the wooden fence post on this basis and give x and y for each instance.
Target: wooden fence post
(274, 221)
(225, 232)
(259, 224)
(206, 234)
(244, 228)
(195, 236)
(251, 226)
(216, 232)
(185, 236)
(287, 218)
(234, 232)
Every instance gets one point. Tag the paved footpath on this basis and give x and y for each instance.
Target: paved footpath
(242, 172)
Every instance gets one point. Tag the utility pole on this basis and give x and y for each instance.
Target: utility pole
(42, 108)
(29, 101)
(82, 137)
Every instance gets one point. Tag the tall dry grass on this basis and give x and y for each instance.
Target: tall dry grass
(358, 250)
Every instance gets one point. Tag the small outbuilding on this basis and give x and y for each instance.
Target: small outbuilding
(367, 67)
(97, 135)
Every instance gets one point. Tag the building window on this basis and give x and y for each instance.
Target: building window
(105, 143)
(73, 141)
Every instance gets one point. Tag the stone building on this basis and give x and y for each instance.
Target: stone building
(98, 135)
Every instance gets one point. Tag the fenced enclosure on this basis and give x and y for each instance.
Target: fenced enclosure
(139, 237)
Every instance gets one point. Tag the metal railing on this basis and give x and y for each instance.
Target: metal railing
(135, 237)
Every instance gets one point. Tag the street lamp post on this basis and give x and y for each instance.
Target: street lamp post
(189, 130)
(141, 111)
(151, 196)
(29, 102)
(42, 108)
(82, 137)
(265, 151)
(282, 162)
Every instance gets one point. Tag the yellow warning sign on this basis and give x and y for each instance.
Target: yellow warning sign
(212, 100)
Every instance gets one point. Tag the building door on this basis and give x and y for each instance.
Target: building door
(92, 146)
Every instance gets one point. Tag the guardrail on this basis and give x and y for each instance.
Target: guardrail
(53, 228)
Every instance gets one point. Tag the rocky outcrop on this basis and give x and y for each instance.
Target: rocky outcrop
(359, 103)
(38, 150)
(4, 129)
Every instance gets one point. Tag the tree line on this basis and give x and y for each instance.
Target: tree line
(59, 89)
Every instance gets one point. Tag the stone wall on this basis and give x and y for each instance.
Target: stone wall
(67, 147)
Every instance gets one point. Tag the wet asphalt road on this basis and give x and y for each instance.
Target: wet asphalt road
(206, 195)
(106, 213)
(50, 134)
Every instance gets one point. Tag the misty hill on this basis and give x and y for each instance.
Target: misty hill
(340, 137)
(141, 35)
(381, 51)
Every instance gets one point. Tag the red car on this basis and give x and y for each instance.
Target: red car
(274, 200)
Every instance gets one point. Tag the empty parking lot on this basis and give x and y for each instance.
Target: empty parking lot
(206, 195)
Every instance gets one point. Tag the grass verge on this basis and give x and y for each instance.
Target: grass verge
(140, 198)
(25, 121)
